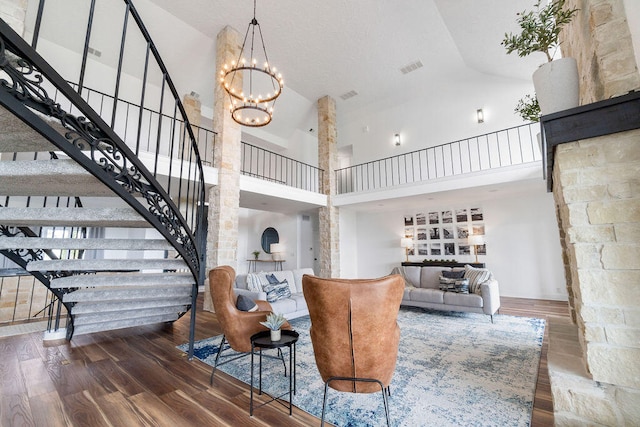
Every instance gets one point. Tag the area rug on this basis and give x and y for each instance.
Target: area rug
(453, 369)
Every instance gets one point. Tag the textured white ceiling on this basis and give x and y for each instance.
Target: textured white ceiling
(331, 47)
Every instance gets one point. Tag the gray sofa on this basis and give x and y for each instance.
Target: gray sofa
(422, 289)
(291, 307)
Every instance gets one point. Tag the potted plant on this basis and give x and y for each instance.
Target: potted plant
(256, 254)
(556, 82)
(528, 108)
(274, 322)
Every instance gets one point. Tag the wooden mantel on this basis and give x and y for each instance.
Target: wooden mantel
(606, 117)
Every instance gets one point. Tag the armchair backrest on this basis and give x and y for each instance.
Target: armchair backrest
(354, 329)
(237, 326)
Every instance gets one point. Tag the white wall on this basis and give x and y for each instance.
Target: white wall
(251, 225)
(425, 120)
(523, 246)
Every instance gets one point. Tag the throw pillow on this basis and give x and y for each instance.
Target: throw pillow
(449, 274)
(271, 278)
(277, 291)
(476, 277)
(256, 282)
(462, 286)
(447, 284)
(244, 303)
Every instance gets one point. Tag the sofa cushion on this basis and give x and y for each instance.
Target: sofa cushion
(476, 277)
(465, 300)
(301, 303)
(428, 295)
(411, 276)
(297, 278)
(430, 277)
(244, 303)
(278, 291)
(284, 306)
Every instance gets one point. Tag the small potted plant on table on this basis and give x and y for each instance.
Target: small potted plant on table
(274, 322)
(256, 254)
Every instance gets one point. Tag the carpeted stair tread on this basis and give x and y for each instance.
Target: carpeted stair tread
(124, 323)
(89, 318)
(62, 177)
(91, 243)
(124, 279)
(106, 264)
(110, 306)
(89, 217)
(116, 294)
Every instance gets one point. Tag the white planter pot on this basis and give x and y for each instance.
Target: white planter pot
(275, 335)
(556, 84)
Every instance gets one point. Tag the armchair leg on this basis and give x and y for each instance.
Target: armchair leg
(215, 363)
(384, 390)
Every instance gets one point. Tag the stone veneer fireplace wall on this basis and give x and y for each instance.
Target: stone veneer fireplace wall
(594, 365)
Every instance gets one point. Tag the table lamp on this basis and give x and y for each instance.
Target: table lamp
(406, 243)
(276, 250)
(476, 240)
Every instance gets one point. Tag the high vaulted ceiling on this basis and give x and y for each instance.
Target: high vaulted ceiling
(331, 47)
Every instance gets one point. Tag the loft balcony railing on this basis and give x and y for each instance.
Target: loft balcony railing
(508, 147)
(273, 167)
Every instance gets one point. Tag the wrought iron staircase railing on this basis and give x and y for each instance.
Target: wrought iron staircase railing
(175, 207)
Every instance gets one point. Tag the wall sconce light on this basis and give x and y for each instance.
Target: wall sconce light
(396, 139)
(406, 243)
(476, 240)
(480, 115)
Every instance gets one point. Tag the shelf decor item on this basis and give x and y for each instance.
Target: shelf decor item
(256, 254)
(274, 322)
(556, 82)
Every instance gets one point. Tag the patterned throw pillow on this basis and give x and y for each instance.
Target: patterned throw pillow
(476, 277)
(272, 279)
(462, 286)
(277, 291)
(447, 284)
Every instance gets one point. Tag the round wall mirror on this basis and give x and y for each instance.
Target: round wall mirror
(269, 236)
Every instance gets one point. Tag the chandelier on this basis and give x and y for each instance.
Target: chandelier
(253, 104)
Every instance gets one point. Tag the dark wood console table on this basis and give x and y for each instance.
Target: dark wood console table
(443, 264)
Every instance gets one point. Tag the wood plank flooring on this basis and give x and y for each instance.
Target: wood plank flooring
(136, 377)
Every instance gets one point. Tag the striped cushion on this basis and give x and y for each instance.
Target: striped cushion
(476, 277)
(278, 291)
(256, 282)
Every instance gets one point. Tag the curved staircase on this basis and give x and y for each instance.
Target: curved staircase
(130, 231)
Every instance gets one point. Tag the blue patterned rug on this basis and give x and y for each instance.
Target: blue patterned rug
(453, 369)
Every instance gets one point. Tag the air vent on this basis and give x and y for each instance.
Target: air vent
(95, 52)
(306, 218)
(348, 95)
(411, 67)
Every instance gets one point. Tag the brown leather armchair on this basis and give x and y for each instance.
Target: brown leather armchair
(354, 332)
(237, 326)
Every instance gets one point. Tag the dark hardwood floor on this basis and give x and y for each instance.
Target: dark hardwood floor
(136, 377)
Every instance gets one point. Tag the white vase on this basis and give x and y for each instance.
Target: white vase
(556, 85)
(275, 335)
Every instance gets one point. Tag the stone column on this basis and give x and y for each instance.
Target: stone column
(193, 108)
(13, 13)
(328, 162)
(224, 198)
(594, 366)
